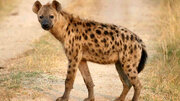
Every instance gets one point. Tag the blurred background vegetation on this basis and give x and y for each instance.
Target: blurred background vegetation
(164, 76)
(6, 6)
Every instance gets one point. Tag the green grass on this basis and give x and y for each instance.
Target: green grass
(14, 79)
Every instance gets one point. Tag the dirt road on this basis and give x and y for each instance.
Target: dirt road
(20, 30)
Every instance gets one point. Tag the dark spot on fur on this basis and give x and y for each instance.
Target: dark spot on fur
(106, 45)
(131, 51)
(92, 23)
(92, 35)
(98, 32)
(69, 72)
(117, 43)
(79, 23)
(69, 32)
(128, 66)
(103, 25)
(89, 29)
(104, 40)
(71, 20)
(113, 28)
(110, 42)
(96, 54)
(77, 30)
(88, 24)
(76, 58)
(93, 50)
(127, 37)
(100, 51)
(122, 35)
(116, 31)
(67, 28)
(132, 37)
(135, 47)
(74, 70)
(90, 44)
(69, 66)
(113, 47)
(70, 60)
(95, 40)
(100, 28)
(125, 47)
(122, 65)
(83, 25)
(83, 34)
(67, 79)
(105, 32)
(72, 30)
(69, 53)
(117, 34)
(79, 37)
(129, 70)
(123, 58)
(111, 33)
(75, 24)
(135, 56)
(74, 65)
(112, 38)
(134, 65)
(97, 45)
(76, 50)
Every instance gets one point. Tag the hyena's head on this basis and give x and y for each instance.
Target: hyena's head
(47, 14)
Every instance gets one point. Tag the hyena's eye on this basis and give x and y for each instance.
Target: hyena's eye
(51, 16)
(41, 17)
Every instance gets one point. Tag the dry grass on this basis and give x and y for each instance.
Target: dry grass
(46, 56)
(163, 77)
(36, 68)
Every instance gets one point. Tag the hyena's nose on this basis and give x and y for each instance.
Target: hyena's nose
(45, 26)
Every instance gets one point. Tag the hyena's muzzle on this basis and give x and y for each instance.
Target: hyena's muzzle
(46, 24)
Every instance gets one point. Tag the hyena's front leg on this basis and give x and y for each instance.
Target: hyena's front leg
(83, 67)
(74, 58)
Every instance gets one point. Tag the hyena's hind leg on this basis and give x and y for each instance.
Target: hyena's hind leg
(125, 81)
(83, 67)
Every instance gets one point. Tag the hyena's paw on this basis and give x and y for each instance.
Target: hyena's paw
(62, 99)
(89, 99)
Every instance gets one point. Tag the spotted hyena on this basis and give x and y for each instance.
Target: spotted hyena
(87, 40)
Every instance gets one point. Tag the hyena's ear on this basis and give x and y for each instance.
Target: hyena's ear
(36, 7)
(56, 5)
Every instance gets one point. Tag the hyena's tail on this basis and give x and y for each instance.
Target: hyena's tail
(142, 63)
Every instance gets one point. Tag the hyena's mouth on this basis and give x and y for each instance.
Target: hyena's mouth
(46, 27)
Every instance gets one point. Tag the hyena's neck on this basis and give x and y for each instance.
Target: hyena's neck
(59, 28)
